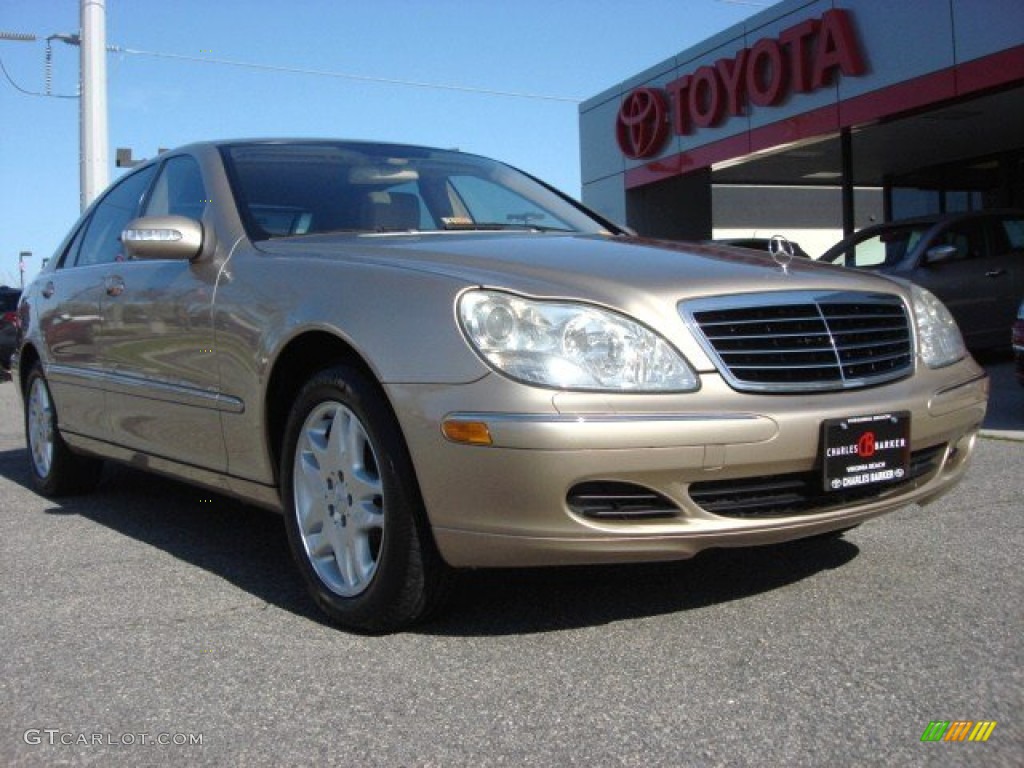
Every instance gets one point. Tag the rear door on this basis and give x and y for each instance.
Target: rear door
(1011, 228)
(69, 308)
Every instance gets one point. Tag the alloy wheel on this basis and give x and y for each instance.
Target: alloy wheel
(339, 498)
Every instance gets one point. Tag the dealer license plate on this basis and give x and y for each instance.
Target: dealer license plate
(866, 450)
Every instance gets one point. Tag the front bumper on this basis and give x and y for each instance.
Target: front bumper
(508, 503)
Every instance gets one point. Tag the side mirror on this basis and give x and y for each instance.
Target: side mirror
(939, 254)
(163, 237)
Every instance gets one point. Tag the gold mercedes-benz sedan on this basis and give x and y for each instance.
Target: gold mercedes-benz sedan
(428, 360)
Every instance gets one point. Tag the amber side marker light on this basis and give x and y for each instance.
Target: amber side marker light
(468, 432)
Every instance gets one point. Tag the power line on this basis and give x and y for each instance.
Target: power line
(344, 75)
(74, 40)
(28, 92)
(28, 37)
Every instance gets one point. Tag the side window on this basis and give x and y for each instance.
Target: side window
(70, 253)
(178, 190)
(102, 241)
(869, 253)
(884, 249)
(968, 239)
(1014, 229)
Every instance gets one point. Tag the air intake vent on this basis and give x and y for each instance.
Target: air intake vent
(611, 500)
(800, 493)
(804, 341)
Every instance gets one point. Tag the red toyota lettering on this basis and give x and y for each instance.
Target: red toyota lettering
(803, 58)
(798, 41)
(837, 48)
(678, 92)
(766, 73)
(705, 98)
(730, 72)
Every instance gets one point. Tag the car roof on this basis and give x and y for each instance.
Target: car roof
(307, 140)
(938, 218)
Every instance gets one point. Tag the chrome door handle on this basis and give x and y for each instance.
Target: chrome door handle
(114, 285)
(995, 273)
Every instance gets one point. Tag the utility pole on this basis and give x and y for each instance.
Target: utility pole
(21, 267)
(93, 115)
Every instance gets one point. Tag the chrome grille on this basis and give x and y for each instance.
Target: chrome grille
(801, 341)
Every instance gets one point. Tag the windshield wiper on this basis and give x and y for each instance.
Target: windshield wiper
(346, 231)
(495, 226)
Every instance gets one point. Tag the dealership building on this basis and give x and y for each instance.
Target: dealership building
(815, 118)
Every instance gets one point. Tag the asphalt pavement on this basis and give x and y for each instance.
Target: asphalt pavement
(154, 624)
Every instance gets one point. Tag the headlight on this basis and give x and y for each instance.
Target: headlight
(570, 346)
(939, 339)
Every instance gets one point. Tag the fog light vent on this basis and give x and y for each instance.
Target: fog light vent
(612, 500)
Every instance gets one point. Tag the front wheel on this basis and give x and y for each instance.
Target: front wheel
(56, 470)
(353, 511)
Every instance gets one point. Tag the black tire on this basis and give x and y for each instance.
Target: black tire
(354, 501)
(56, 469)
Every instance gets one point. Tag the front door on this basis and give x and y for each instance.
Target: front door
(157, 340)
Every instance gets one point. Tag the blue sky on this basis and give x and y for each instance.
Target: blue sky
(571, 49)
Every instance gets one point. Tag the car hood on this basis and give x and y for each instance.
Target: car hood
(643, 279)
(593, 267)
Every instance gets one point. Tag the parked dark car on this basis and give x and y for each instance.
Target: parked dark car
(974, 262)
(1018, 342)
(8, 325)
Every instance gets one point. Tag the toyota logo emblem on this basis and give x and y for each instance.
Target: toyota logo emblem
(642, 123)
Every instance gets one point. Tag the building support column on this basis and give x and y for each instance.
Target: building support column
(887, 197)
(846, 149)
(674, 209)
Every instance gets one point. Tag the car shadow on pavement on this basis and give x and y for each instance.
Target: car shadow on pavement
(248, 547)
(501, 602)
(1006, 399)
(242, 544)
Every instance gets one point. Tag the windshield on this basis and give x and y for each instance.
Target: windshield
(289, 190)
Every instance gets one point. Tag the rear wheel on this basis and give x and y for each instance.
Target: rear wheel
(56, 470)
(353, 510)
